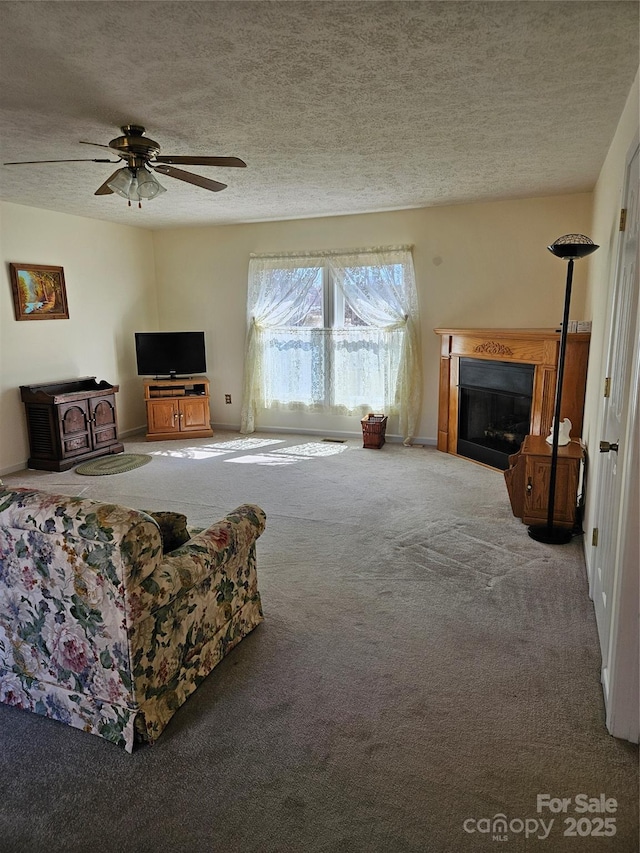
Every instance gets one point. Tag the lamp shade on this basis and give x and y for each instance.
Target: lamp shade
(135, 184)
(122, 181)
(148, 184)
(571, 247)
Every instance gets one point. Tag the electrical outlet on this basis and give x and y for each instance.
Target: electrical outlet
(227, 398)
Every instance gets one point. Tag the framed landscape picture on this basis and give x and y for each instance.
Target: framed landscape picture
(39, 292)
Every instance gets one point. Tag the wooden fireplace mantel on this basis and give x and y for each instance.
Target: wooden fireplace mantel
(538, 347)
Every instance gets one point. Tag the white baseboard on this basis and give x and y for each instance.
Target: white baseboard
(13, 468)
(129, 433)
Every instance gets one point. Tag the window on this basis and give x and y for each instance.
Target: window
(333, 333)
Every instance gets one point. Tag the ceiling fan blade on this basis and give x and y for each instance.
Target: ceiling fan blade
(97, 144)
(198, 180)
(201, 161)
(31, 162)
(103, 189)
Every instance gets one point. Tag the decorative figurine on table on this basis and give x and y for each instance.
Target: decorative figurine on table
(563, 432)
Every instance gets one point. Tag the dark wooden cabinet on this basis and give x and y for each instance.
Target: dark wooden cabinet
(69, 422)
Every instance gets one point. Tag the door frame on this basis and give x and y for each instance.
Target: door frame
(620, 669)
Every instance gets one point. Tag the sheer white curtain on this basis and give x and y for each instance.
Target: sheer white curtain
(333, 332)
(380, 286)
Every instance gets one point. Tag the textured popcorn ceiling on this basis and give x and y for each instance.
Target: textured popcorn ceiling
(337, 107)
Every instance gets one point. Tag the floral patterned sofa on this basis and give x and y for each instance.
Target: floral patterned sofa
(101, 630)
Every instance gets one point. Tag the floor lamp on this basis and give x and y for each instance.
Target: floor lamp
(570, 248)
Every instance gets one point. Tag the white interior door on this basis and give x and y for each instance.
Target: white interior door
(612, 577)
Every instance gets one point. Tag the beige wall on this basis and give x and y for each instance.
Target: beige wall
(110, 278)
(604, 232)
(476, 265)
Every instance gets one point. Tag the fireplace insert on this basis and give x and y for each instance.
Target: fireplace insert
(494, 409)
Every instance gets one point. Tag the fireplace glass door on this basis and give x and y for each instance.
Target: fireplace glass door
(494, 409)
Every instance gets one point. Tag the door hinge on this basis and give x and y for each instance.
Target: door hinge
(594, 537)
(623, 219)
(607, 386)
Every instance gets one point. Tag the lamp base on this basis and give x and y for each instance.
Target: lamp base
(550, 535)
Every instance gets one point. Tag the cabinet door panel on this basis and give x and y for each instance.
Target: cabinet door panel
(162, 415)
(74, 428)
(194, 414)
(537, 498)
(103, 437)
(103, 411)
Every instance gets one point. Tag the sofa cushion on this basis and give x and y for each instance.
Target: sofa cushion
(173, 529)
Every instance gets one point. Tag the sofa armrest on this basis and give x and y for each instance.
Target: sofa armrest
(224, 548)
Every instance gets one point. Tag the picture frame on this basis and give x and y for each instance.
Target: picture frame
(39, 292)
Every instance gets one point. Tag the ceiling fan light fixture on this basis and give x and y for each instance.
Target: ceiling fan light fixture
(122, 181)
(148, 185)
(135, 184)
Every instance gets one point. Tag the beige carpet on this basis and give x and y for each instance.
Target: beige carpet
(424, 666)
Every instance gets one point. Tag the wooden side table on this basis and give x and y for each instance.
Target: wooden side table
(527, 480)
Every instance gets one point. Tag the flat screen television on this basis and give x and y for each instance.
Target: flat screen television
(170, 353)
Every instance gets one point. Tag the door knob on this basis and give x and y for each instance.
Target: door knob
(605, 447)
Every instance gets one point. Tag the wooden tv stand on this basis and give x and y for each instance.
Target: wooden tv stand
(177, 408)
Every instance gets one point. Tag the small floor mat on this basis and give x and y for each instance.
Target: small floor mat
(113, 464)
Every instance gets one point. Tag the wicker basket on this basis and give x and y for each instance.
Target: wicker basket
(373, 430)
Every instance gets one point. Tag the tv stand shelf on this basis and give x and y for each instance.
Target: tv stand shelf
(177, 408)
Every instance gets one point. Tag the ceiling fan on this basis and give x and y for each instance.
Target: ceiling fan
(136, 181)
